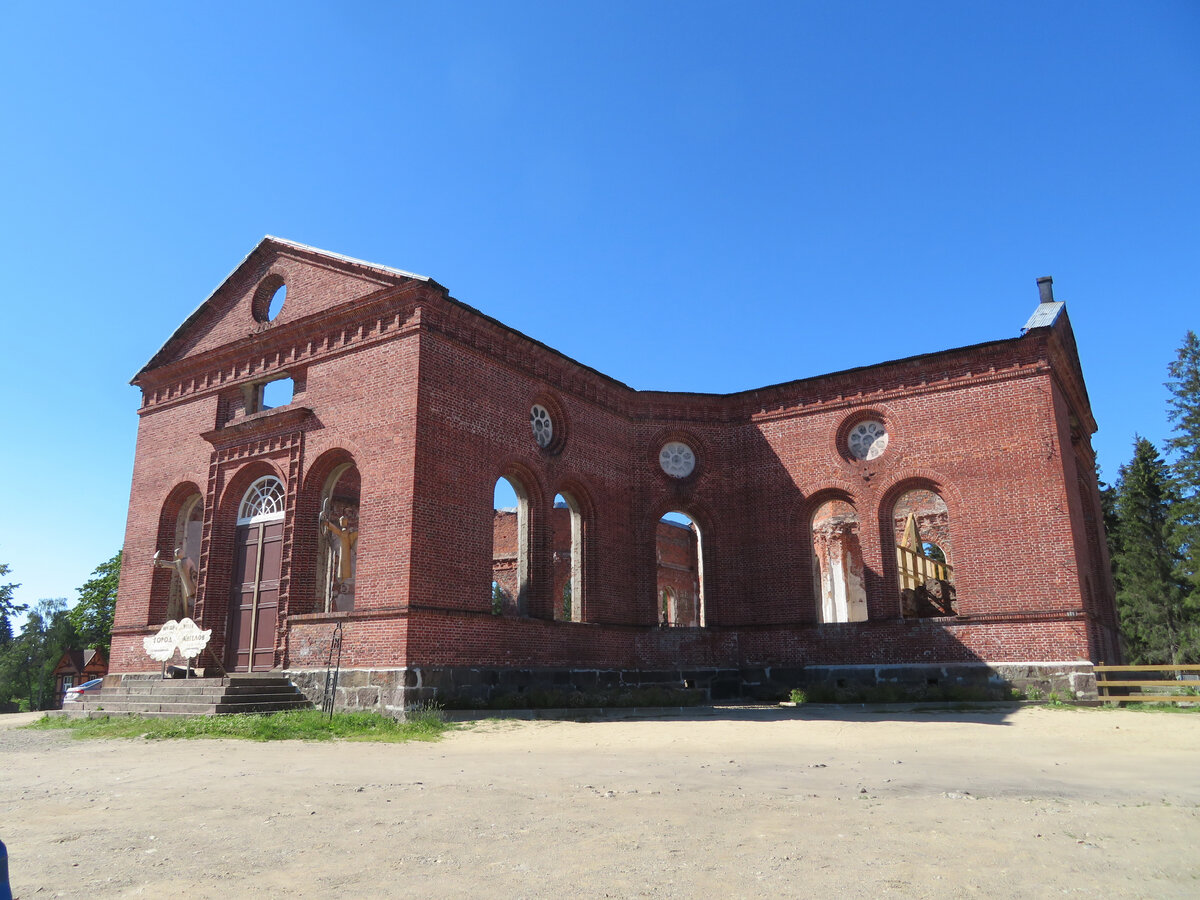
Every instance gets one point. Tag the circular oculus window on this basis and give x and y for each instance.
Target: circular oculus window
(677, 459)
(543, 427)
(867, 440)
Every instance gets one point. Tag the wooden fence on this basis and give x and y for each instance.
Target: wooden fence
(917, 568)
(1164, 689)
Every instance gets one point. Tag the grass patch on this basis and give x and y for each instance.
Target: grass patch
(1150, 707)
(293, 725)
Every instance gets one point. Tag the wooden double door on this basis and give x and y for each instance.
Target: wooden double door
(254, 605)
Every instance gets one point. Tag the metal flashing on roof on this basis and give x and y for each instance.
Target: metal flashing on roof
(1045, 315)
(346, 259)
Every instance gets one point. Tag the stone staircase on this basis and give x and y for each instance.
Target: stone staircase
(161, 698)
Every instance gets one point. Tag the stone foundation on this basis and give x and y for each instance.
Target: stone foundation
(393, 691)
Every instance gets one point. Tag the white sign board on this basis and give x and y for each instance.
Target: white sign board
(187, 637)
(191, 639)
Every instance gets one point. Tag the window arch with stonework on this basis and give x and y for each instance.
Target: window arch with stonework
(838, 567)
(924, 554)
(510, 582)
(177, 556)
(337, 554)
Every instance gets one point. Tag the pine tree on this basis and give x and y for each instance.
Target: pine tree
(7, 606)
(1183, 448)
(1155, 622)
(1108, 512)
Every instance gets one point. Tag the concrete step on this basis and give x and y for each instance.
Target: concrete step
(148, 707)
(197, 696)
(167, 689)
(288, 697)
(275, 706)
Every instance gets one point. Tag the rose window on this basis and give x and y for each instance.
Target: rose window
(543, 427)
(868, 440)
(677, 459)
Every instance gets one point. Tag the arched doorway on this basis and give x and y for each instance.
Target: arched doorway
(258, 562)
(679, 561)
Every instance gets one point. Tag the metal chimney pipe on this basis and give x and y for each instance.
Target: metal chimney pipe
(1046, 289)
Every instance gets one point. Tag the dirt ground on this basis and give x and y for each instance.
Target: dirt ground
(746, 803)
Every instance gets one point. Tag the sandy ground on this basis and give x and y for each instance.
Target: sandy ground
(812, 803)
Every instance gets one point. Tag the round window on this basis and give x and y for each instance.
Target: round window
(543, 427)
(867, 440)
(677, 459)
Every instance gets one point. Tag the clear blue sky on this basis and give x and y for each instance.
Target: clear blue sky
(689, 196)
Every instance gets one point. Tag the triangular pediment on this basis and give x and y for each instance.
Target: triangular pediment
(317, 282)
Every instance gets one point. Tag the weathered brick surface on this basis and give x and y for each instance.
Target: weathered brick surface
(430, 400)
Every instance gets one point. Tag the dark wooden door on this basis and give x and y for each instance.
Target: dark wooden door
(258, 560)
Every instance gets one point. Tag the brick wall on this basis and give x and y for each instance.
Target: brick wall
(430, 400)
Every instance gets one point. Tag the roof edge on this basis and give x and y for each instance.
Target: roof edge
(271, 239)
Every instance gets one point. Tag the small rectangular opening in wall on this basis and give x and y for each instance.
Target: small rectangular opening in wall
(276, 393)
(932, 682)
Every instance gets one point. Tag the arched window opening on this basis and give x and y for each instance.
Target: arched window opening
(838, 563)
(924, 554)
(510, 548)
(262, 502)
(567, 533)
(337, 556)
(679, 560)
(189, 528)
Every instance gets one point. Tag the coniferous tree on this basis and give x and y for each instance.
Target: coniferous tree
(1155, 620)
(7, 606)
(1183, 448)
(1108, 512)
(27, 664)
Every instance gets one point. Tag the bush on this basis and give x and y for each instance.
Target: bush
(798, 696)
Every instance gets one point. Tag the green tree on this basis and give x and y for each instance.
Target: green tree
(92, 616)
(1108, 512)
(1156, 622)
(1183, 449)
(27, 664)
(8, 608)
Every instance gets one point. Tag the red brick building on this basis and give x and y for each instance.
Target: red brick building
(333, 460)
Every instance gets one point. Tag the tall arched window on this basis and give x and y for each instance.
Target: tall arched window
(924, 554)
(337, 557)
(189, 528)
(567, 532)
(510, 548)
(679, 555)
(838, 563)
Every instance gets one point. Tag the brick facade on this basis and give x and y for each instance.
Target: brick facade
(425, 403)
